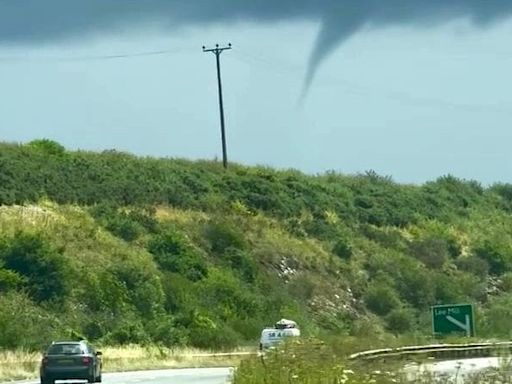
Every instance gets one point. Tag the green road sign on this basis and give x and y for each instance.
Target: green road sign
(456, 318)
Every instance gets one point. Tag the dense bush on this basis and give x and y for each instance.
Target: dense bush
(498, 316)
(473, 264)
(143, 287)
(242, 262)
(497, 255)
(448, 289)
(381, 299)
(25, 324)
(126, 249)
(48, 147)
(400, 320)
(45, 271)
(431, 252)
(10, 280)
(128, 223)
(415, 285)
(127, 331)
(174, 253)
(44, 169)
(223, 236)
(342, 249)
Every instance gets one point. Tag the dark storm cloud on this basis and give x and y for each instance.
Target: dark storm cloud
(37, 21)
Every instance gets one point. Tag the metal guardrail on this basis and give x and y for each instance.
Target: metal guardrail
(438, 351)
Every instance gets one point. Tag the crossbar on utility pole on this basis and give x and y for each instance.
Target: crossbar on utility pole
(217, 51)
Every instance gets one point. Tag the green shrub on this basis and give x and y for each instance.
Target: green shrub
(26, 325)
(452, 196)
(222, 235)
(145, 218)
(498, 257)
(226, 297)
(127, 331)
(179, 292)
(164, 330)
(143, 287)
(453, 247)
(381, 299)
(506, 282)
(448, 289)
(415, 284)
(111, 295)
(400, 320)
(473, 288)
(242, 262)
(367, 327)
(387, 237)
(48, 147)
(128, 225)
(123, 227)
(225, 274)
(504, 191)
(432, 252)
(343, 249)
(174, 253)
(220, 337)
(44, 269)
(10, 280)
(203, 332)
(498, 317)
(473, 264)
(301, 287)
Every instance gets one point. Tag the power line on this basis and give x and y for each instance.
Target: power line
(287, 69)
(217, 51)
(90, 58)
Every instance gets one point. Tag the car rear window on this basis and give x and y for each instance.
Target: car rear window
(65, 349)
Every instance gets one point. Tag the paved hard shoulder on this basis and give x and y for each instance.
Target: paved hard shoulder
(177, 376)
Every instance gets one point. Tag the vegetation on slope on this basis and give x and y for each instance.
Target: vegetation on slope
(122, 249)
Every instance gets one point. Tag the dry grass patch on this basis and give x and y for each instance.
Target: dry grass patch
(180, 216)
(18, 365)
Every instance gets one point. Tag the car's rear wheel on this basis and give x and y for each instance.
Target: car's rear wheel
(45, 380)
(91, 379)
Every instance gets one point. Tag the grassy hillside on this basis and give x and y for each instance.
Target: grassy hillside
(122, 249)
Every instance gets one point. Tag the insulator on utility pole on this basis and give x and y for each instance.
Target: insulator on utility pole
(217, 51)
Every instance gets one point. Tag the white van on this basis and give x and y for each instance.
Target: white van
(282, 329)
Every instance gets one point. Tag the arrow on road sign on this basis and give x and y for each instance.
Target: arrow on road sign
(465, 326)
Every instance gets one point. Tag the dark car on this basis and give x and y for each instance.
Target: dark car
(66, 360)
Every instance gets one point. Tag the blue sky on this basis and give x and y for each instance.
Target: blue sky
(411, 101)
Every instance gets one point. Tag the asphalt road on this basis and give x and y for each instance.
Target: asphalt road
(449, 368)
(458, 369)
(168, 376)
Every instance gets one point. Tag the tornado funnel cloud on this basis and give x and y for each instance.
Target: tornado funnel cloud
(333, 32)
(36, 22)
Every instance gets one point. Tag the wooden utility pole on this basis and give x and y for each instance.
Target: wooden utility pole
(217, 51)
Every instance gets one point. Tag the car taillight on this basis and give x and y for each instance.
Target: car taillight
(86, 360)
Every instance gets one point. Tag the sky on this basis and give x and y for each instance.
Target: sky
(413, 89)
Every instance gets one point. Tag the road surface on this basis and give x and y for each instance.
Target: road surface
(460, 368)
(449, 368)
(168, 376)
